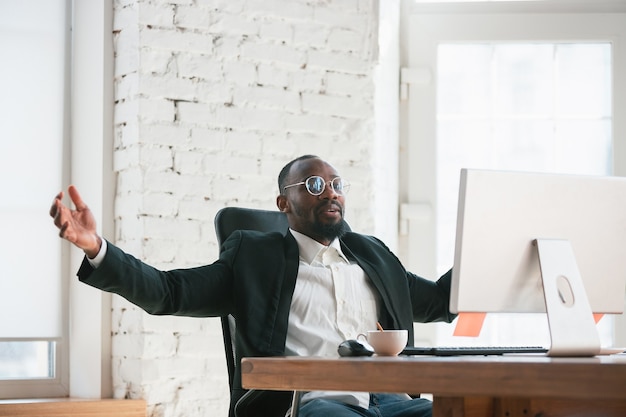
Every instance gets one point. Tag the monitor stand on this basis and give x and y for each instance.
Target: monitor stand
(572, 327)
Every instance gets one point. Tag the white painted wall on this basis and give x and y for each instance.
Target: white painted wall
(212, 99)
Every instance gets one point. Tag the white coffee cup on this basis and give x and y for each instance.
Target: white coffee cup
(386, 342)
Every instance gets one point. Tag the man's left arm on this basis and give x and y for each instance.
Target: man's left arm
(431, 299)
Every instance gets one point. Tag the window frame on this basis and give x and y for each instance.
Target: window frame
(58, 384)
(427, 25)
(84, 370)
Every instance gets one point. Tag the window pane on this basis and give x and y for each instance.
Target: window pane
(32, 104)
(584, 80)
(583, 147)
(26, 359)
(32, 127)
(523, 145)
(523, 79)
(464, 89)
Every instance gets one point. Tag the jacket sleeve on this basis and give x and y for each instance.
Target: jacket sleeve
(430, 299)
(204, 291)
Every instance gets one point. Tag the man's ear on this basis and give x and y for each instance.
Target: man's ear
(283, 204)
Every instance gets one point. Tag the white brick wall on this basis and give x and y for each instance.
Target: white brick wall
(213, 97)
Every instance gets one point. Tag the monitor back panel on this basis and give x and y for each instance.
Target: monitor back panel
(496, 267)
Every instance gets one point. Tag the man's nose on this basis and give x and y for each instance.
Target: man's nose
(329, 192)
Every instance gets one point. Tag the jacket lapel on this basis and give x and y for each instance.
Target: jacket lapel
(279, 336)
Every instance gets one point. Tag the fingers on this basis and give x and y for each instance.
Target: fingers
(60, 214)
(76, 198)
(54, 208)
(67, 233)
(64, 217)
(62, 230)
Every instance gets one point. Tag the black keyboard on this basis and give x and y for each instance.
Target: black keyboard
(471, 350)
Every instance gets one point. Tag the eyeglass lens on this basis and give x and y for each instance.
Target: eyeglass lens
(315, 185)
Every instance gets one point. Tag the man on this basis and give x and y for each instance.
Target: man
(299, 294)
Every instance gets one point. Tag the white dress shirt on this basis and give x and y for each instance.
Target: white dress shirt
(333, 301)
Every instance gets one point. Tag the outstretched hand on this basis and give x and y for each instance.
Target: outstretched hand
(78, 226)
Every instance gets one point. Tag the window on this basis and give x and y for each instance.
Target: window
(521, 91)
(540, 107)
(38, 134)
(33, 37)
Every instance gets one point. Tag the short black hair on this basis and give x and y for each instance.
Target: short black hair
(282, 176)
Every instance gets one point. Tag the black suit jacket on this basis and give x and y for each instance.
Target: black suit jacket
(254, 280)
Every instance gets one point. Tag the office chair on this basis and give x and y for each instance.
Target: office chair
(227, 220)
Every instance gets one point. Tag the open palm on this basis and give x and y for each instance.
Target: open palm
(78, 226)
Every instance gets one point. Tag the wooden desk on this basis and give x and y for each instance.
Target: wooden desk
(476, 386)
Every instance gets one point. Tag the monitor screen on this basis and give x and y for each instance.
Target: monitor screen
(501, 215)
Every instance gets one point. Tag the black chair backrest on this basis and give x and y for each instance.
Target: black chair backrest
(227, 220)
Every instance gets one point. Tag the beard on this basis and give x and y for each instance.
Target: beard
(331, 231)
(328, 231)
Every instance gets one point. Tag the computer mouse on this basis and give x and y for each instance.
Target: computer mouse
(352, 347)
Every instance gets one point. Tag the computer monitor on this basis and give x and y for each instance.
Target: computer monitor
(512, 227)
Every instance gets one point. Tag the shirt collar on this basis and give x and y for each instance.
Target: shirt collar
(310, 248)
